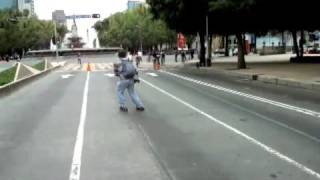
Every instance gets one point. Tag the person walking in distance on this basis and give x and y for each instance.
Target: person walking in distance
(163, 57)
(128, 75)
(79, 59)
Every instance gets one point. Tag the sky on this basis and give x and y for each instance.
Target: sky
(44, 9)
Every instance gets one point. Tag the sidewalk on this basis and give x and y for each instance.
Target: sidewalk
(274, 69)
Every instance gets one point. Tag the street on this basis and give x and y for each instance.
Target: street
(67, 125)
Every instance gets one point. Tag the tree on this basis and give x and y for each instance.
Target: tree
(20, 32)
(179, 15)
(132, 29)
(62, 30)
(287, 15)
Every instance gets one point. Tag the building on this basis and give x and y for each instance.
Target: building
(26, 5)
(132, 4)
(59, 17)
(8, 4)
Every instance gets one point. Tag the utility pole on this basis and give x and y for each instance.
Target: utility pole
(55, 37)
(207, 31)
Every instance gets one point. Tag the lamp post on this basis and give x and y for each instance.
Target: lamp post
(55, 37)
(208, 41)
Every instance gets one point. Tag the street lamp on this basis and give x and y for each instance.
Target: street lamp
(208, 41)
(55, 37)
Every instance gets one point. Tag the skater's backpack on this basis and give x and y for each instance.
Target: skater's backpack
(128, 70)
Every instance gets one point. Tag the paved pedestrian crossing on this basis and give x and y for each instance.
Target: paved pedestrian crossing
(72, 67)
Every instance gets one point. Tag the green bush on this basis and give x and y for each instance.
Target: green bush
(7, 76)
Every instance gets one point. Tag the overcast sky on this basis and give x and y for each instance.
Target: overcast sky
(44, 9)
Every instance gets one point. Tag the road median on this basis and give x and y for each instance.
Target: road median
(24, 75)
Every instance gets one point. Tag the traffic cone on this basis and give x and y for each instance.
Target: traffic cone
(88, 67)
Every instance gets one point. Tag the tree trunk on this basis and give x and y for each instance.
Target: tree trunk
(283, 40)
(202, 49)
(295, 43)
(244, 44)
(241, 59)
(302, 39)
(255, 44)
(226, 46)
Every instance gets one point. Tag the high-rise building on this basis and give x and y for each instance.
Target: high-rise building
(132, 4)
(26, 5)
(8, 4)
(59, 17)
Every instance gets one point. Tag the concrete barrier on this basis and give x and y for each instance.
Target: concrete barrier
(14, 86)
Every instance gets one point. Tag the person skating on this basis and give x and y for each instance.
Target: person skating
(127, 73)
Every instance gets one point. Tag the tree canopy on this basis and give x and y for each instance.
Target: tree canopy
(19, 32)
(236, 17)
(129, 29)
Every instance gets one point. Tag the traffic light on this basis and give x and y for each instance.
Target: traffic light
(96, 16)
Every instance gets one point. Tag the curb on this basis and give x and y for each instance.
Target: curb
(14, 86)
(278, 81)
(263, 78)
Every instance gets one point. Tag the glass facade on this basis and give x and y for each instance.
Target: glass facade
(133, 4)
(6, 4)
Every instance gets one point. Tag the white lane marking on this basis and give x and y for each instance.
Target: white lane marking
(110, 75)
(77, 67)
(240, 133)
(66, 76)
(152, 74)
(109, 66)
(68, 67)
(101, 67)
(268, 101)
(77, 154)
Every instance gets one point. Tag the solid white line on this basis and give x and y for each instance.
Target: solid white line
(109, 66)
(260, 99)
(101, 67)
(152, 74)
(77, 67)
(240, 133)
(68, 67)
(77, 154)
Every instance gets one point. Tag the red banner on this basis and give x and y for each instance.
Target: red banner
(182, 41)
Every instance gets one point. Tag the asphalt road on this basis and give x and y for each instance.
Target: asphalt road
(196, 126)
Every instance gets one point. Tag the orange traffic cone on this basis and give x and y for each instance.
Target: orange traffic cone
(88, 67)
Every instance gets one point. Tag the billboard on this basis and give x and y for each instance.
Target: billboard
(182, 42)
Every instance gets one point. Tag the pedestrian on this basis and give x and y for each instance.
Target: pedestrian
(163, 57)
(128, 75)
(139, 58)
(7, 58)
(156, 59)
(149, 56)
(79, 58)
(130, 56)
(183, 56)
(192, 54)
(176, 56)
